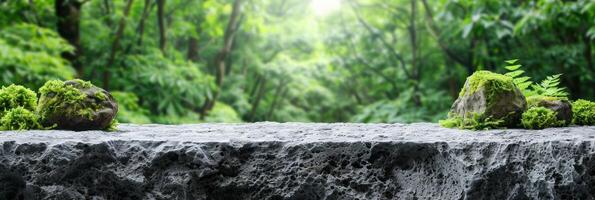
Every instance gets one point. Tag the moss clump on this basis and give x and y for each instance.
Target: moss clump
(475, 122)
(540, 118)
(58, 98)
(493, 83)
(584, 112)
(15, 96)
(19, 118)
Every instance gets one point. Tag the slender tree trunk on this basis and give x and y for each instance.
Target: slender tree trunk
(256, 102)
(141, 23)
(161, 23)
(115, 45)
(588, 53)
(219, 62)
(192, 53)
(414, 65)
(276, 95)
(69, 16)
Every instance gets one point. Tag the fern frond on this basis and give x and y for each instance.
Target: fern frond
(551, 87)
(515, 72)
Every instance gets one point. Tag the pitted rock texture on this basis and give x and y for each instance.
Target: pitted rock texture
(298, 161)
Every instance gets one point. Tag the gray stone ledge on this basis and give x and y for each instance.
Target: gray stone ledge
(298, 161)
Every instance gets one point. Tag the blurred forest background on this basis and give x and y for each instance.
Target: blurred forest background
(188, 61)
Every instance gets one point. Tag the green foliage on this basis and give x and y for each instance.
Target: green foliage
(476, 121)
(128, 109)
(172, 87)
(540, 118)
(19, 118)
(550, 87)
(30, 55)
(223, 113)
(353, 64)
(583, 112)
(522, 82)
(15, 96)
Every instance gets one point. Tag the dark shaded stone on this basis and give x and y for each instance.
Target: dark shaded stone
(562, 107)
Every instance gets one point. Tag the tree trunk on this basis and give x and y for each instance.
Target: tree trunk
(414, 65)
(141, 23)
(69, 15)
(192, 53)
(588, 53)
(256, 102)
(161, 23)
(278, 91)
(115, 46)
(219, 61)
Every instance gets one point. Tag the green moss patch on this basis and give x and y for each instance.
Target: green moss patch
(19, 118)
(492, 82)
(15, 96)
(584, 112)
(475, 122)
(58, 98)
(540, 118)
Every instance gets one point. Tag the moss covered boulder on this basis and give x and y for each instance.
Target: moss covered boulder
(561, 106)
(75, 105)
(490, 99)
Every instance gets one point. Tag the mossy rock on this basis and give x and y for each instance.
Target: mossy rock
(561, 106)
(490, 97)
(76, 105)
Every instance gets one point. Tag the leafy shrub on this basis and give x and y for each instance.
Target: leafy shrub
(30, 56)
(167, 87)
(223, 113)
(539, 118)
(15, 96)
(583, 112)
(128, 109)
(19, 118)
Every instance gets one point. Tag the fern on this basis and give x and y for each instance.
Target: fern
(550, 87)
(516, 73)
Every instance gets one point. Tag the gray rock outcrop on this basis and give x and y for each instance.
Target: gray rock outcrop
(298, 161)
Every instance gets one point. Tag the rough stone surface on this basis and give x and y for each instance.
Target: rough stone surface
(298, 161)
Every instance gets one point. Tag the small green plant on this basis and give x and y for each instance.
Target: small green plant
(516, 73)
(583, 112)
(15, 96)
(474, 122)
(550, 87)
(540, 118)
(19, 118)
